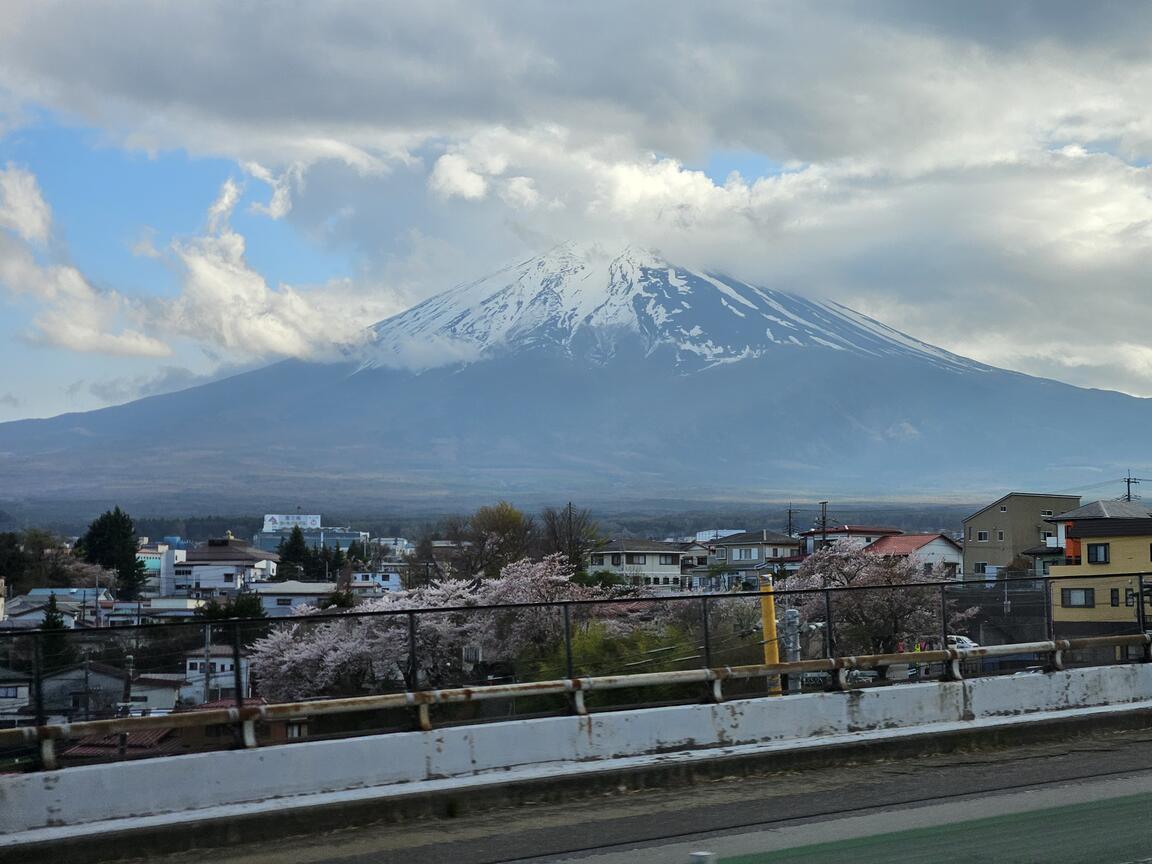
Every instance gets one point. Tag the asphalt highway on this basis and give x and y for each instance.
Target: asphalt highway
(1083, 800)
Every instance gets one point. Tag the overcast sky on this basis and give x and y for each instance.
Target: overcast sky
(191, 189)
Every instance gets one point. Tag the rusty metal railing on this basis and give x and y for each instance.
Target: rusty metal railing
(574, 688)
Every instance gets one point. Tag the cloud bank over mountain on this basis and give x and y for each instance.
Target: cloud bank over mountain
(968, 178)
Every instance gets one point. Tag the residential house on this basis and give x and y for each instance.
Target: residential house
(857, 536)
(1100, 539)
(209, 674)
(739, 560)
(1004, 531)
(15, 695)
(221, 569)
(154, 610)
(374, 582)
(84, 691)
(278, 599)
(27, 613)
(654, 563)
(929, 551)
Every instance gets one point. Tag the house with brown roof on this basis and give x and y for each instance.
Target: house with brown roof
(929, 551)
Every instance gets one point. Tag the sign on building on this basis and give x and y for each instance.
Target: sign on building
(282, 521)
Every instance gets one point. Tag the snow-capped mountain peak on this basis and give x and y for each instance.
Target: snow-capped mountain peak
(586, 302)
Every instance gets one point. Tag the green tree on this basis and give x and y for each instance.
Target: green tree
(111, 542)
(294, 554)
(56, 649)
(242, 606)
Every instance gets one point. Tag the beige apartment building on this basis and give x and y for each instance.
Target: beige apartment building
(1006, 528)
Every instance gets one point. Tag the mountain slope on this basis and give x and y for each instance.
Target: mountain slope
(576, 375)
(583, 303)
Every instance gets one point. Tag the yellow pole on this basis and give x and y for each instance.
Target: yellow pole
(768, 629)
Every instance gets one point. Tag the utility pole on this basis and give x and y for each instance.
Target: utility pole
(789, 532)
(207, 663)
(1128, 482)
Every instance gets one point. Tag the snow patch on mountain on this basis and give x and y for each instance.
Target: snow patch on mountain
(585, 303)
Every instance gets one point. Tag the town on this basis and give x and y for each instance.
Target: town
(994, 567)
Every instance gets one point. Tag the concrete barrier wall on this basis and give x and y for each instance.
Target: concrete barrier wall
(75, 796)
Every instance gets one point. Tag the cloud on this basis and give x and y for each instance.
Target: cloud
(227, 306)
(10, 400)
(969, 177)
(453, 176)
(22, 207)
(167, 379)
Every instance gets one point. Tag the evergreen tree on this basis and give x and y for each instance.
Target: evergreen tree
(56, 650)
(243, 606)
(111, 542)
(295, 553)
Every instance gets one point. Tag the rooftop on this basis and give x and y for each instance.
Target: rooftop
(294, 587)
(906, 544)
(762, 536)
(640, 546)
(1106, 510)
(228, 550)
(851, 530)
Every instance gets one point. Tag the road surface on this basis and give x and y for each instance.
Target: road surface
(1085, 800)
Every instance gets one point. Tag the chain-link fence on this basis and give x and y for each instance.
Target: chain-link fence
(156, 670)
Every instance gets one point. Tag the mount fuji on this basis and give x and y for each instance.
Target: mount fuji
(599, 377)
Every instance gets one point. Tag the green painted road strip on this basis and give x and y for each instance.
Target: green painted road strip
(1111, 831)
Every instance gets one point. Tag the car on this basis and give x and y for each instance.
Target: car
(962, 643)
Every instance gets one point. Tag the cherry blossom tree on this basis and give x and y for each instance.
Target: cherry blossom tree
(892, 610)
(353, 654)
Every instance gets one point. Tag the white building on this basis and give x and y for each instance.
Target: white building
(15, 694)
(279, 598)
(209, 674)
(387, 578)
(160, 562)
(641, 562)
(220, 568)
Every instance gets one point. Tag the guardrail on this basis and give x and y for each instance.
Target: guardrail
(245, 718)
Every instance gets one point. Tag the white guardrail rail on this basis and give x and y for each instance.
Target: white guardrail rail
(421, 701)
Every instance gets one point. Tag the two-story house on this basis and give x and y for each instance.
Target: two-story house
(738, 560)
(1100, 539)
(654, 563)
(220, 568)
(211, 674)
(1010, 528)
(279, 599)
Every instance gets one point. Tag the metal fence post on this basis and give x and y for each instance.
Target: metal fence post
(38, 679)
(238, 683)
(568, 640)
(1142, 618)
(829, 637)
(943, 617)
(1049, 624)
(412, 667)
(707, 633)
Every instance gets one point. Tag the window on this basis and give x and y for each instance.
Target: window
(1000, 536)
(1003, 508)
(1129, 597)
(1045, 535)
(1045, 512)
(981, 536)
(980, 568)
(1114, 596)
(744, 553)
(635, 558)
(670, 559)
(1097, 553)
(721, 553)
(283, 601)
(598, 560)
(1082, 597)
(675, 580)
(9, 692)
(617, 560)
(969, 532)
